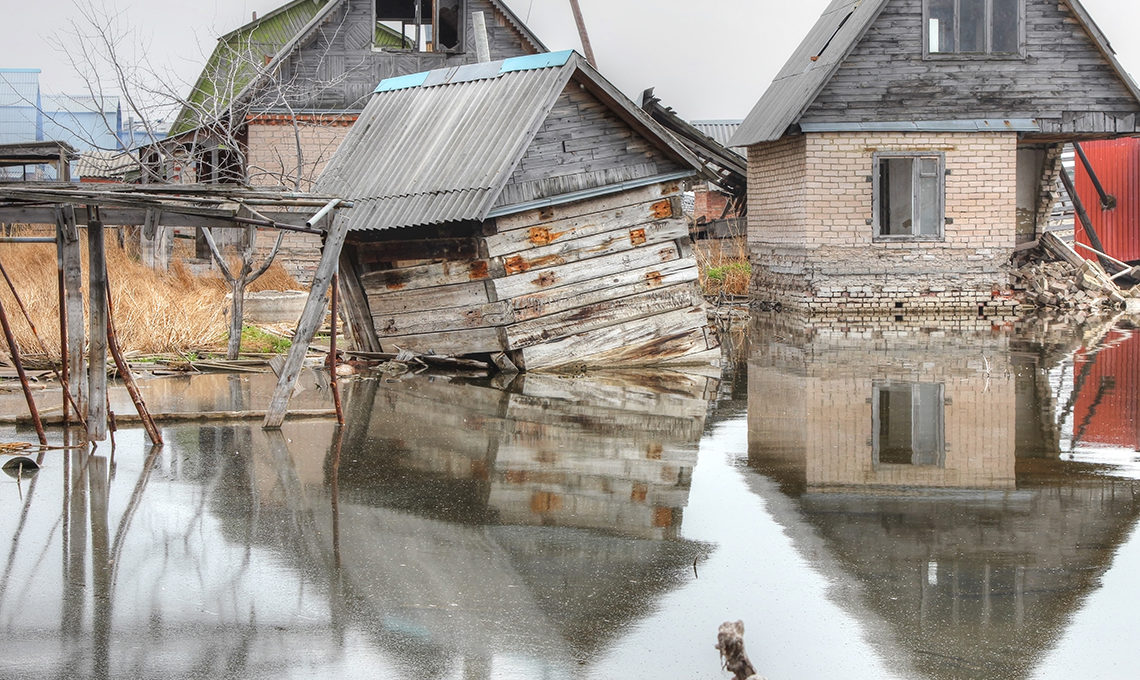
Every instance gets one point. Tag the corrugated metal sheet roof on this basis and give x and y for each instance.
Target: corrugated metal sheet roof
(439, 153)
(439, 147)
(721, 131)
(813, 63)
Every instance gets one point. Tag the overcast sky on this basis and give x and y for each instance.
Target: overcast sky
(708, 59)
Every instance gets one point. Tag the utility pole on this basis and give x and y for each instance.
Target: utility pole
(583, 34)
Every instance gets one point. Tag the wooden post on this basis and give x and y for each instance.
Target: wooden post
(96, 329)
(1107, 202)
(360, 324)
(1083, 216)
(128, 379)
(14, 350)
(61, 301)
(332, 353)
(581, 22)
(72, 255)
(307, 327)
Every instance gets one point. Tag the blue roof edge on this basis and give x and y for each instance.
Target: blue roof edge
(478, 71)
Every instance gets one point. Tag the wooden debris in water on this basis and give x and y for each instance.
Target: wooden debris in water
(730, 643)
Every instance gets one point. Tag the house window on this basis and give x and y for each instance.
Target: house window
(420, 25)
(909, 196)
(909, 424)
(966, 27)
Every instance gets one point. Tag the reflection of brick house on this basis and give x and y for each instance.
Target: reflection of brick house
(298, 77)
(898, 157)
(891, 414)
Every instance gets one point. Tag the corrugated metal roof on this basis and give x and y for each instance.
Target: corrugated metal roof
(813, 63)
(439, 153)
(721, 131)
(827, 45)
(439, 147)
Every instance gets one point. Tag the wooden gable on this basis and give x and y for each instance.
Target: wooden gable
(583, 144)
(1065, 78)
(340, 68)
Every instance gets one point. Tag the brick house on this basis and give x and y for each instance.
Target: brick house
(908, 146)
(279, 94)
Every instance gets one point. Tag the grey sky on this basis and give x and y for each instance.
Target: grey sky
(707, 59)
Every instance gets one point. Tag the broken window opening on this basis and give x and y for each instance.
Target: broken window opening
(420, 25)
(973, 27)
(909, 196)
(909, 423)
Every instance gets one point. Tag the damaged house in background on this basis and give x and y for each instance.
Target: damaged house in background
(523, 209)
(908, 146)
(278, 95)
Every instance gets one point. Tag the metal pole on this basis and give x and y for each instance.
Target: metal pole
(1107, 201)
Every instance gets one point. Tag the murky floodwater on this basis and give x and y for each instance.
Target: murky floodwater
(872, 504)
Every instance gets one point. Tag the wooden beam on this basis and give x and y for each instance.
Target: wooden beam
(97, 332)
(311, 319)
(356, 307)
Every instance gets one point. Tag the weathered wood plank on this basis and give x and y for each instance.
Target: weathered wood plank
(579, 226)
(540, 216)
(608, 243)
(427, 276)
(437, 320)
(449, 343)
(356, 306)
(646, 341)
(383, 301)
(96, 333)
(576, 272)
(445, 248)
(601, 288)
(311, 318)
(600, 315)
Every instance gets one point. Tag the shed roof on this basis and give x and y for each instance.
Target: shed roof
(837, 32)
(440, 146)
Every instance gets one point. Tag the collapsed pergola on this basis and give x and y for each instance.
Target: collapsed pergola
(76, 208)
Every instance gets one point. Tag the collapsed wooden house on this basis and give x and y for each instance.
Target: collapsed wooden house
(908, 146)
(522, 208)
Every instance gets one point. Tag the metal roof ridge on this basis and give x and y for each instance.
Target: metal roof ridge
(477, 71)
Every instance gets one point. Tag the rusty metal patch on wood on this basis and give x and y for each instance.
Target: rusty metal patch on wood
(637, 236)
(662, 209)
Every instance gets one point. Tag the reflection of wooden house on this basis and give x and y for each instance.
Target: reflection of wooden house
(522, 207)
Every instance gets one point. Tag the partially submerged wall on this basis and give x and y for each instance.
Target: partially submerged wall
(813, 244)
(609, 280)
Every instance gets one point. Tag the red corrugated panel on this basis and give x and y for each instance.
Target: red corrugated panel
(1117, 165)
(1108, 406)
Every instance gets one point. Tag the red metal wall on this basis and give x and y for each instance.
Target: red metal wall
(1117, 165)
(1107, 410)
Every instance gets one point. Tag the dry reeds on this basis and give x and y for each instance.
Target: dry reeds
(155, 312)
(724, 267)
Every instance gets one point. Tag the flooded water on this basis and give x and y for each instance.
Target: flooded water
(948, 503)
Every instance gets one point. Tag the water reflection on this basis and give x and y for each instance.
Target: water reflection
(454, 528)
(931, 466)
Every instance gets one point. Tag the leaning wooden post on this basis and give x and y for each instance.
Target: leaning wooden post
(128, 379)
(61, 291)
(72, 254)
(96, 329)
(332, 351)
(14, 350)
(307, 327)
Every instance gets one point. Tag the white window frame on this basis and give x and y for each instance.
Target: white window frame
(876, 201)
(987, 53)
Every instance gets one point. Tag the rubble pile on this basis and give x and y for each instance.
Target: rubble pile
(1080, 291)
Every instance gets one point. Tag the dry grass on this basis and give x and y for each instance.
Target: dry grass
(724, 266)
(155, 313)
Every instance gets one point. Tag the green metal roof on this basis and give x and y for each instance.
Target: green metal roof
(238, 57)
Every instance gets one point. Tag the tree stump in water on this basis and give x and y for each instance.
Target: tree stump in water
(730, 642)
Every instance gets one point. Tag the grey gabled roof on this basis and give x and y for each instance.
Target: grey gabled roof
(827, 46)
(440, 146)
(810, 67)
